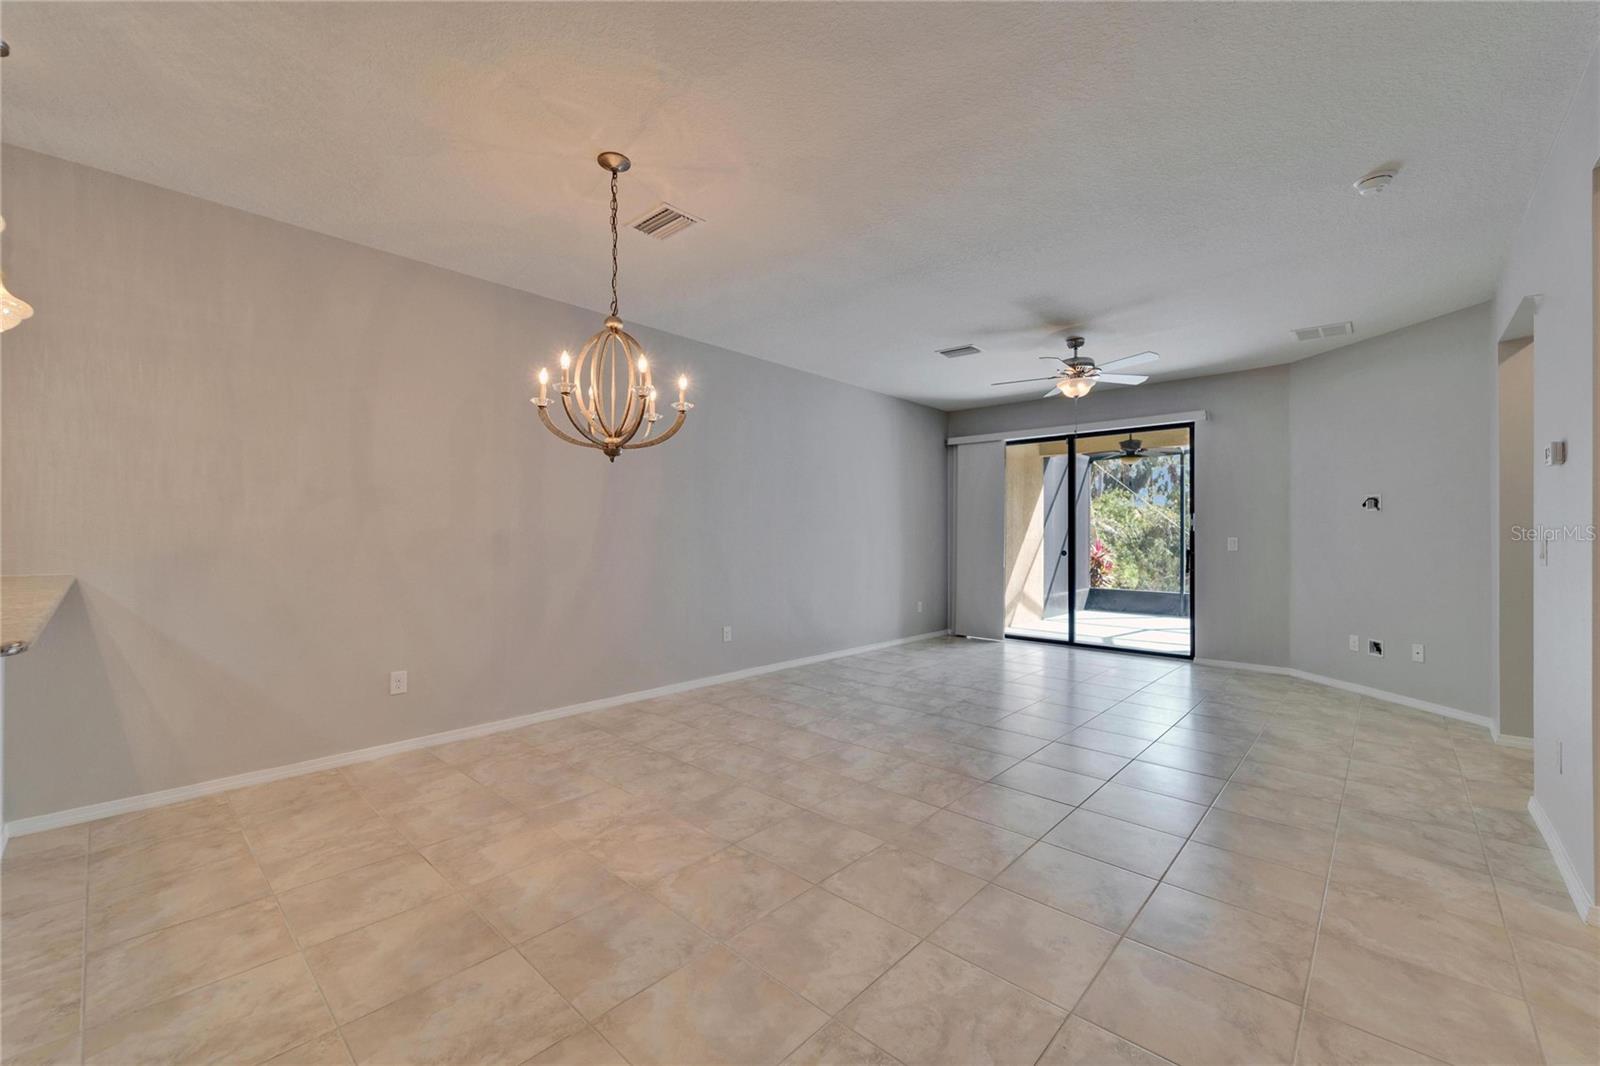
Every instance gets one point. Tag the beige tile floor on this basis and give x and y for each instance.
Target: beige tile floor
(947, 852)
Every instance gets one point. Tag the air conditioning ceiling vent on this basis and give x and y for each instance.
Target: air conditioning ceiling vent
(959, 351)
(1317, 333)
(665, 220)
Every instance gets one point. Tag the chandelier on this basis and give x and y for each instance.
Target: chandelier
(13, 309)
(607, 392)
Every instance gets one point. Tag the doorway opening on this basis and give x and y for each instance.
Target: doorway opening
(1516, 555)
(1099, 546)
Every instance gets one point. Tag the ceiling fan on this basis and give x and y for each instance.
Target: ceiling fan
(1078, 373)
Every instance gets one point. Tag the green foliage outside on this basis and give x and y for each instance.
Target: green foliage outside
(1135, 524)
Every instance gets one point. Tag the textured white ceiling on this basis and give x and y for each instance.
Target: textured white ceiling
(879, 180)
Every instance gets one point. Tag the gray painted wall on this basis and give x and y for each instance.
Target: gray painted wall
(1553, 259)
(1283, 462)
(1406, 417)
(1241, 490)
(282, 465)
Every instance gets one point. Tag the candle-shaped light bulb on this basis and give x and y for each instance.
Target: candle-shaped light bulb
(644, 364)
(650, 404)
(566, 365)
(544, 382)
(683, 386)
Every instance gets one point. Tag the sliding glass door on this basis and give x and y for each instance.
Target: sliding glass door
(1099, 539)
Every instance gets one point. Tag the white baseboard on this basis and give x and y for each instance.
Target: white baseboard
(1364, 690)
(1509, 741)
(1581, 899)
(93, 812)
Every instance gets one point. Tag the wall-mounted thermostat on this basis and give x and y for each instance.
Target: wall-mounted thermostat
(1555, 453)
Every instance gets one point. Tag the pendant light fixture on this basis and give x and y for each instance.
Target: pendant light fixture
(12, 309)
(608, 393)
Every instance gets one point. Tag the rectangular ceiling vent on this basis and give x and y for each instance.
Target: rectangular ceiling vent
(1333, 329)
(665, 220)
(959, 351)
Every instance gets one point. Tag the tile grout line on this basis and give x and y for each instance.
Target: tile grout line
(83, 961)
(1511, 941)
(1304, 1007)
(300, 948)
(927, 939)
(1328, 887)
(1128, 761)
(455, 893)
(832, 1017)
(1124, 934)
(1322, 906)
(1327, 879)
(236, 827)
(742, 782)
(295, 937)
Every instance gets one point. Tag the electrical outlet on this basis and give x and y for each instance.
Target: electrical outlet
(1375, 648)
(727, 634)
(919, 606)
(397, 683)
(1355, 642)
(1417, 653)
(1233, 544)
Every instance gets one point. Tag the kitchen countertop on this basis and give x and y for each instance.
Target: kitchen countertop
(27, 603)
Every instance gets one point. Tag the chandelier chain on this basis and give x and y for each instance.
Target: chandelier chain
(613, 242)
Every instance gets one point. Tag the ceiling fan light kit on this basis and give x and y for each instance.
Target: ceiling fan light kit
(1079, 374)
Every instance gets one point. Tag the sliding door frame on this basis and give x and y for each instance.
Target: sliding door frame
(1189, 551)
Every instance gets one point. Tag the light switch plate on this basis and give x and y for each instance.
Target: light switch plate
(1233, 544)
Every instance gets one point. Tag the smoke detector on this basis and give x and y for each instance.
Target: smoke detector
(958, 351)
(665, 220)
(1374, 183)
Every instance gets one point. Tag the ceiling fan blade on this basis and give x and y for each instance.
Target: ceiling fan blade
(1131, 360)
(1123, 379)
(1020, 381)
